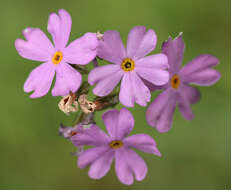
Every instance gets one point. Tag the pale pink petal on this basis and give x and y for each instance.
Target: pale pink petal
(157, 77)
(125, 123)
(137, 165)
(118, 123)
(90, 155)
(92, 136)
(140, 91)
(174, 49)
(100, 167)
(36, 47)
(59, 26)
(122, 168)
(156, 61)
(126, 96)
(82, 50)
(67, 80)
(140, 43)
(135, 37)
(110, 119)
(106, 85)
(101, 72)
(142, 142)
(40, 80)
(127, 163)
(111, 48)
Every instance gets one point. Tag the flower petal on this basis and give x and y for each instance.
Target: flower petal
(137, 165)
(40, 80)
(106, 85)
(156, 61)
(200, 63)
(110, 119)
(59, 26)
(93, 136)
(199, 71)
(142, 142)
(101, 72)
(101, 166)
(82, 50)
(140, 91)
(155, 76)
(205, 77)
(159, 113)
(90, 155)
(184, 105)
(118, 123)
(122, 168)
(126, 96)
(36, 47)
(164, 122)
(128, 162)
(192, 94)
(140, 43)
(67, 79)
(135, 37)
(111, 48)
(125, 123)
(174, 49)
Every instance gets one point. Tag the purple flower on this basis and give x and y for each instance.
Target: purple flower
(67, 132)
(117, 145)
(178, 91)
(56, 58)
(130, 65)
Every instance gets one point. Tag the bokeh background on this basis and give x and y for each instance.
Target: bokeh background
(196, 154)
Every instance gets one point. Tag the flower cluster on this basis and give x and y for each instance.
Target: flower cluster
(130, 77)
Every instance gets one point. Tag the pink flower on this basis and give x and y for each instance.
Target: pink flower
(179, 91)
(130, 66)
(115, 146)
(56, 58)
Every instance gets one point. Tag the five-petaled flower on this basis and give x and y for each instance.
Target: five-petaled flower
(56, 58)
(199, 71)
(139, 74)
(130, 65)
(117, 145)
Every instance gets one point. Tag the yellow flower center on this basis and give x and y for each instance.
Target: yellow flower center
(57, 58)
(116, 144)
(128, 65)
(175, 81)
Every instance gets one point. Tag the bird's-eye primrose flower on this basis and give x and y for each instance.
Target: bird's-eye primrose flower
(130, 65)
(178, 90)
(115, 146)
(139, 74)
(56, 58)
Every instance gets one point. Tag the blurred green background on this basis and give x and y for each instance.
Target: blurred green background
(196, 154)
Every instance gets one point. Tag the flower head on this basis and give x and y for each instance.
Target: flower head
(55, 57)
(129, 65)
(199, 71)
(115, 146)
